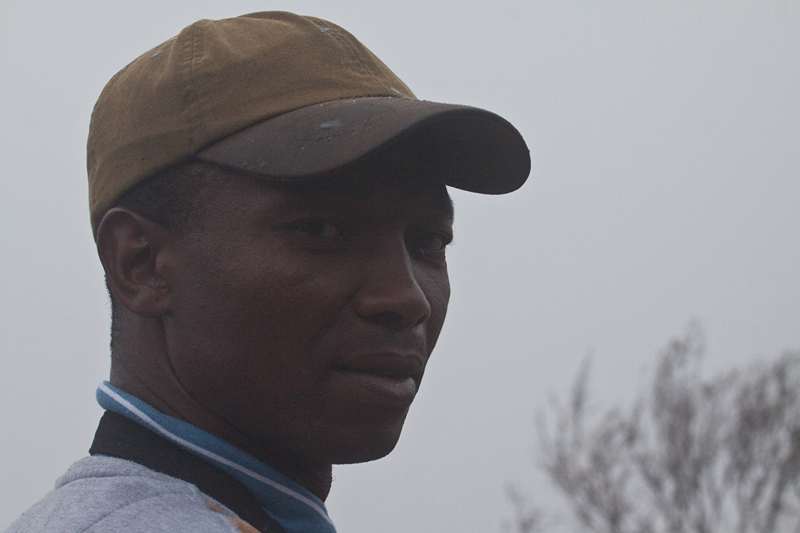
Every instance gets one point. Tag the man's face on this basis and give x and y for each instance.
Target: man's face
(303, 317)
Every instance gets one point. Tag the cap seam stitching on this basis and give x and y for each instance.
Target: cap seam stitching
(195, 85)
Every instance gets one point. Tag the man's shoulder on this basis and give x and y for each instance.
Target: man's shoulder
(103, 494)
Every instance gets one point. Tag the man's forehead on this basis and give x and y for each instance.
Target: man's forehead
(348, 189)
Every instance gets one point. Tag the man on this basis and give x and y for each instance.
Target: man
(269, 204)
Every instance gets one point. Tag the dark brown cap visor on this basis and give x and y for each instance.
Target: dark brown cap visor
(465, 147)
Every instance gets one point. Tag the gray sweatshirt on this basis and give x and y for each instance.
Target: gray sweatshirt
(101, 494)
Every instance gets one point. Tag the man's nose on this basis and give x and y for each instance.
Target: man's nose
(391, 295)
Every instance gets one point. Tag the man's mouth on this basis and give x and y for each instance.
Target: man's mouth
(388, 376)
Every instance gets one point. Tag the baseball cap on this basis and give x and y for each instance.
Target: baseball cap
(287, 98)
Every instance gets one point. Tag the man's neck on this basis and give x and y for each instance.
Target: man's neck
(316, 479)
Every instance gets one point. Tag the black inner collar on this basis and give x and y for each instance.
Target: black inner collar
(118, 436)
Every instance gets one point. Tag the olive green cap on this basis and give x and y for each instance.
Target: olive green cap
(286, 97)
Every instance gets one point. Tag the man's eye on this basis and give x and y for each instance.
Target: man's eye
(324, 229)
(432, 243)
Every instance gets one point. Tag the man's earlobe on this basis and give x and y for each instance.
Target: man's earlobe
(132, 250)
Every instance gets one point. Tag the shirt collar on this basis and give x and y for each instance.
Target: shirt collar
(291, 505)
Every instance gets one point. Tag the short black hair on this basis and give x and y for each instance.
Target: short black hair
(169, 198)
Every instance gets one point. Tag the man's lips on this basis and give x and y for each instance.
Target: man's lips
(386, 364)
(389, 376)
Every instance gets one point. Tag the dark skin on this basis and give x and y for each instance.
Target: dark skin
(295, 322)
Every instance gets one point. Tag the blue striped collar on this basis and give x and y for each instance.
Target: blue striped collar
(291, 505)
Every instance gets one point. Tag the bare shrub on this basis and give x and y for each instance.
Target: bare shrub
(694, 455)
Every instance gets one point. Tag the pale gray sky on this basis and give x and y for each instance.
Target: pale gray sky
(666, 186)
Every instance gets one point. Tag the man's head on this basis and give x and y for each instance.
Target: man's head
(270, 208)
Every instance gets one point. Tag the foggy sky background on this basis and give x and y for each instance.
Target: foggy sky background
(666, 186)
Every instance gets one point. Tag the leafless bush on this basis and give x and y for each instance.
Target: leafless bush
(528, 518)
(694, 456)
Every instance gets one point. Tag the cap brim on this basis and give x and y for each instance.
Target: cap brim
(465, 147)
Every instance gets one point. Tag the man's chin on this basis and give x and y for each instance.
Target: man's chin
(365, 446)
(365, 456)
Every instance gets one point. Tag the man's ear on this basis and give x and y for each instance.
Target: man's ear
(134, 251)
